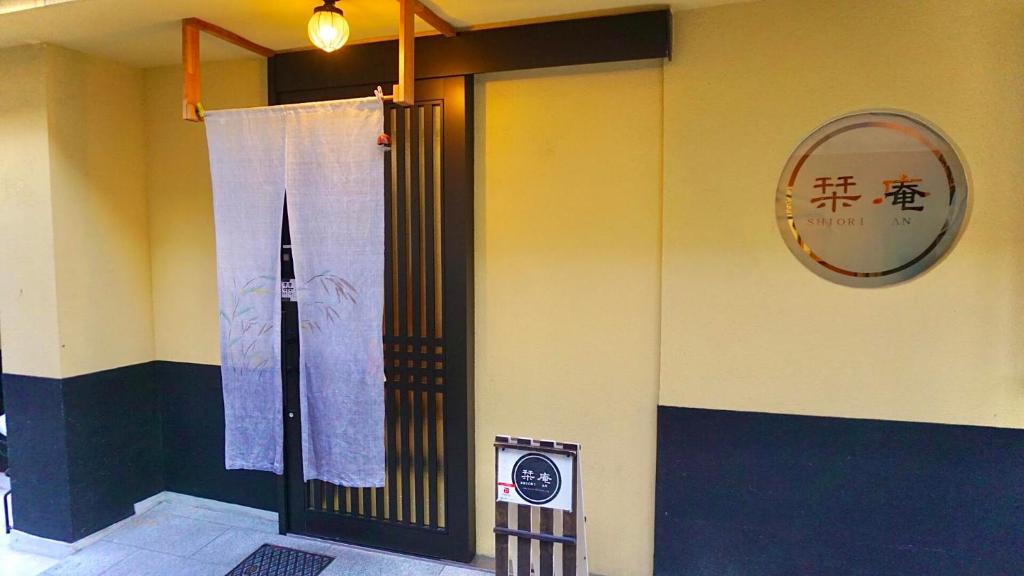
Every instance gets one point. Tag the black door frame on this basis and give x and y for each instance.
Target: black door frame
(457, 540)
(311, 75)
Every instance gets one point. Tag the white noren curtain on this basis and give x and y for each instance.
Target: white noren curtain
(324, 156)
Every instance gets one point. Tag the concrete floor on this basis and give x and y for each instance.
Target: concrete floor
(192, 537)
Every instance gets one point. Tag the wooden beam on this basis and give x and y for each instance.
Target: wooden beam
(190, 63)
(190, 28)
(229, 36)
(405, 94)
(584, 15)
(431, 17)
(296, 76)
(420, 34)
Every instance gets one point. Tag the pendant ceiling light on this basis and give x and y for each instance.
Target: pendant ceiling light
(328, 29)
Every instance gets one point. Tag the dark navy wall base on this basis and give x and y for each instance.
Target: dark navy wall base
(193, 425)
(37, 450)
(760, 494)
(83, 450)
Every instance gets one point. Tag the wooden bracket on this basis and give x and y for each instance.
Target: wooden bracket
(405, 90)
(190, 29)
(431, 17)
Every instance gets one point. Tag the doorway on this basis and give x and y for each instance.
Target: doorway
(426, 506)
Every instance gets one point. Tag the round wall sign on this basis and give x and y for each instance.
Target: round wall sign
(872, 199)
(536, 478)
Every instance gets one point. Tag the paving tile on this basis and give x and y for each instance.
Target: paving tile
(234, 519)
(355, 562)
(168, 533)
(17, 563)
(21, 564)
(93, 560)
(460, 571)
(150, 563)
(238, 520)
(176, 539)
(235, 545)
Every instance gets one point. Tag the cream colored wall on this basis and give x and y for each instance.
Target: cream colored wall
(568, 208)
(181, 206)
(75, 288)
(29, 333)
(101, 235)
(746, 327)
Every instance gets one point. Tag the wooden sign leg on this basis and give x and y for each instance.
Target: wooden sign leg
(569, 528)
(500, 521)
(525, 524)
(547, 526)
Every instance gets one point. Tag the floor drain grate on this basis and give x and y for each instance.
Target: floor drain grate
(271, 560)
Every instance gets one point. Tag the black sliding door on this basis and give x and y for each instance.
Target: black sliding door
(426, 507)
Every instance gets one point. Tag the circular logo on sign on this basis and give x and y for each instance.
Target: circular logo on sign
(536, 478)
(872, 199)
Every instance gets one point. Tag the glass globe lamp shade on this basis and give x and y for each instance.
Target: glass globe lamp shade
(328, 29)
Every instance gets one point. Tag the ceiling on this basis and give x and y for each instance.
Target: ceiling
(147, 33)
